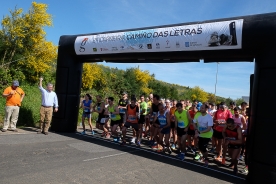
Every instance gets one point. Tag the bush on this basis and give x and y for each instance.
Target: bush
(29, 111)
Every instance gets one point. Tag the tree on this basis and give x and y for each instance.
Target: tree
(186, 93)
(199, 94)
(239, 101)
(92, 75)
(212, 98)
(143, 78)
(159, 88)
(173, 93)
(137, 81)
(23, 39)
(228, 100)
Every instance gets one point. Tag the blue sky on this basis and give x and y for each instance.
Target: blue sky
(72, 17)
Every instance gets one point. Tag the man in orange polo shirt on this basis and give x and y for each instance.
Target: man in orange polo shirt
(14, 96)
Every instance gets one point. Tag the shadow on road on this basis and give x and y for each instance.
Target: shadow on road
(189, 164)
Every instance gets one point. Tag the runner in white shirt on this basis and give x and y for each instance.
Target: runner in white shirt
(212, 109)
(203, 129)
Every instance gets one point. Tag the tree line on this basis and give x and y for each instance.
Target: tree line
(106, 81)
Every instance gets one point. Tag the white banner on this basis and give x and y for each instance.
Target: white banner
(206, 36)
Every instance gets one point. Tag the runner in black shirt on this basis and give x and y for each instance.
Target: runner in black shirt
(102, 120)
(123, 102)
(154, 131)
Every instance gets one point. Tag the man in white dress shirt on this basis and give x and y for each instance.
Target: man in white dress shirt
(49, 100)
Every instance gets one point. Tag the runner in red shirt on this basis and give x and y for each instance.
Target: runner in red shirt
(232, 135)
(220, 118)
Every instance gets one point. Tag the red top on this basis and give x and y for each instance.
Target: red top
(221, 116)
(232, 134)
(131, 112)
(192, 114)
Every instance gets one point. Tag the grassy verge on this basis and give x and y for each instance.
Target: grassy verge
(29, 111)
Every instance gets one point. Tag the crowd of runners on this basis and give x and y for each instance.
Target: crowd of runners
(168, 126)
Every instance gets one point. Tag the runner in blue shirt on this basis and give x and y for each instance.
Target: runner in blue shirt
(87, 110)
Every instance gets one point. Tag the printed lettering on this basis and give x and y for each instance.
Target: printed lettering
(160, 34)
(155, 34)
(171, 33)
(187, 31)
(193, 31)
(199, 30)
(149, 35)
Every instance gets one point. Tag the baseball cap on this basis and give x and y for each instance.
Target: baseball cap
(198, 105)
(15, 83)
(167, 101)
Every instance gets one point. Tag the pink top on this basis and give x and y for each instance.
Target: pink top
(238, 120)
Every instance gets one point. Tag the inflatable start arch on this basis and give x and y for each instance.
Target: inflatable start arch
(233, 40)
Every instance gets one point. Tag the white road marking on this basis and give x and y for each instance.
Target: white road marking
(16, 133)
(109, 156)
(163, 156)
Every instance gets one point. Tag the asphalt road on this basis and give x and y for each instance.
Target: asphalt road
(73, 158)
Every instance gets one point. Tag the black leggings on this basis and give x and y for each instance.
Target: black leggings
(243, 148)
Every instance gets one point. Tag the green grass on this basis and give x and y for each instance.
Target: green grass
(29, 112)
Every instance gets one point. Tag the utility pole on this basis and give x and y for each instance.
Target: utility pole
(216, 83)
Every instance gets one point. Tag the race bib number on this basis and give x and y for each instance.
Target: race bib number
(181, 124)
(103, 120)
(162, 121)
(122, 111)
(202, 128)
(131, 118)
(220, 127)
